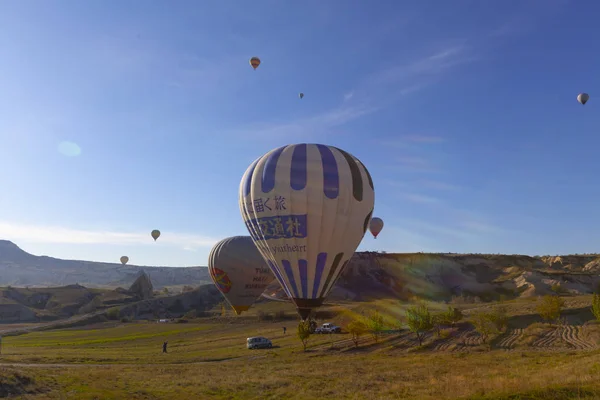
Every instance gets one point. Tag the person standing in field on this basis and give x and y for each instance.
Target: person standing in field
(165, 347)
(284, 329)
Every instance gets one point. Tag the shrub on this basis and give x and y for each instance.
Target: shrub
(303, 332)
(419, 321)
(357, 329)
(596, 306)
(484, 324)
(550, 307)
(376, 325)
(113, 313)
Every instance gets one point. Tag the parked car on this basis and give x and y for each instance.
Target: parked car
(258, 342)
(328, 328)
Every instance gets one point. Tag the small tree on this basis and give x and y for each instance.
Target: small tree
(304, 333)
(419, 320)
(596, 306)
(453, 315)
(550, 308)
(484, 324)
(376, 325)
(499, 317)
(113, 313)
(357, 329)
(438, 319)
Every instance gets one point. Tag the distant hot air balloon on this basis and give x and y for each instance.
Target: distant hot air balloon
(155, 234)
(583, 98)
(307, 207)
(301, 95)
(239, 271)
(375, 226)
(255, 62)
(124, 260)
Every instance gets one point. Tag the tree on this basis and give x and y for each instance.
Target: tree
(357, 329)
(484, 324)
(453, 315)
(304, 332)
(596, 306)
(376, 325)
(550, 307)
(438, 319)
(499, 317)
(113, 313)
(419, 321)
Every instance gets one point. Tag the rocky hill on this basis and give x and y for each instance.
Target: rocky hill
(19, 268)
(475, 276)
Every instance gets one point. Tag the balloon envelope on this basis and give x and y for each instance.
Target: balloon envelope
(583, 98)
(155, 234)
(124, 260)
(255, 62)
(239, 271)
(375, 226)
(301, 95)
(307, 207)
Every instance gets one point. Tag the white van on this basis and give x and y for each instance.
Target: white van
(258, 342)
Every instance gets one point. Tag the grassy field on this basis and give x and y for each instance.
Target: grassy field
(207, 359)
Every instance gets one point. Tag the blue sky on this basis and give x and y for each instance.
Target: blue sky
(464, 112)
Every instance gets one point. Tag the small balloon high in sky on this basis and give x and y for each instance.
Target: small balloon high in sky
(155, 234)
(583, 98)
(255, 62)
(375, 226)
(307, 208)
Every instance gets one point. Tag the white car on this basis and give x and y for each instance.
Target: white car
(258, 342)
(328, 328)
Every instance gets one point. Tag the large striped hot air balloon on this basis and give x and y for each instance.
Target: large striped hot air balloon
(239, 271)
(307, 207)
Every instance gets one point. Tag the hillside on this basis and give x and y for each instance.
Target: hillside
(473, 277)
(35, 305)
(19, 268)
(368, 275)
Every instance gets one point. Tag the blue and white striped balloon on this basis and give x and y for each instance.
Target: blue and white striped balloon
(307, 208)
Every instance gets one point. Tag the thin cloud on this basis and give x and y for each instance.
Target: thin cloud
(421, 198)
(317, 124)
(440, 185)
(424, 139)
(417, 164)
(57, 234)
(348, 96)
(413, 140)
(433, 64)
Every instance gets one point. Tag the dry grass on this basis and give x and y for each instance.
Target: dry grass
(207, 359)
(128, 365)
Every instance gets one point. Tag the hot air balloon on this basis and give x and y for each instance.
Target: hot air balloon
(155, 234)
(583, 98)
(239, 271)
(307, 207)
(124, 260)
(255, 62)
(375, 226)
(301, 95)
